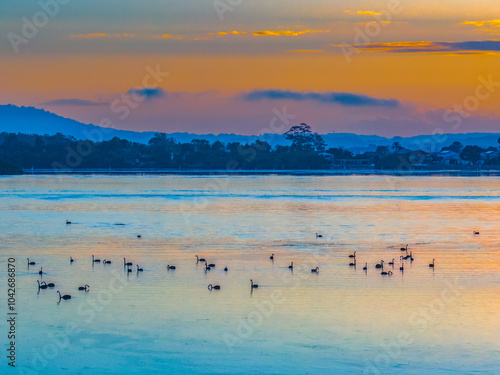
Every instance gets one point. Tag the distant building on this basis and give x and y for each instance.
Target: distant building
(489, 155)
(420, 158)
(328, 156)
(353, 163)
(449, 157)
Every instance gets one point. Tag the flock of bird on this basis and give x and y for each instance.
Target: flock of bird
(127, 266)
(391, 263)
(208, 266)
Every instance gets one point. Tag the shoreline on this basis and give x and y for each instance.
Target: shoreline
(263, 172)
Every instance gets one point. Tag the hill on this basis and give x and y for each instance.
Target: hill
(30, 120)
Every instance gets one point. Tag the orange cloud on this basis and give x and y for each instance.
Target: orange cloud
(362, 12)
(368, 13)
(95, 35)
(450, 48)
(490, 26)
(491, 23)
(394, 46)
(166, 36)
(285, 32)
(103, 35)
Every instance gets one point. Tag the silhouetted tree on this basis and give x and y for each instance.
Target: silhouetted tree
(382, 150)
(455, 147)
(303, 139)
(471, 153)
(396, 146)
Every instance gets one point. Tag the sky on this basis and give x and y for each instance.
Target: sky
(390, 67)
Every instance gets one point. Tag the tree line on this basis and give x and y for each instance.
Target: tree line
(307, 150)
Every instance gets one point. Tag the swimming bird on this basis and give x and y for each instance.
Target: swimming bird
(139, 236)
(216, 287)
(94, 260)
(86, 287)
(272, 257)
(252, 285)
(129, 269)
(211, 265)
(432, 264)
(139, 269)
(392, 263)
(169, 267)
(71, 260)
(389, 273)
(291, 266)
(315, 270)
(125, 263)
(365, 267)
(200, 259)
(207, 267)
(66, 296)
(476, 232)
(68, 222)
(380, 265)
(30, 263)
(352, 255)
(106, 261)
(40, 272)
(402, 268)
(319, 235)
(42, 285)
(404, 248)
(353, 264)
(226, 269)
(411, 256)
(51, 285)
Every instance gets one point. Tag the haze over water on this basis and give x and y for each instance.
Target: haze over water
(442, 321)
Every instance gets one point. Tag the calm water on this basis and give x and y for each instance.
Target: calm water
(343, 320)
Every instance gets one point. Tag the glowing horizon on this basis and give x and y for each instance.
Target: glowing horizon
(428, 57)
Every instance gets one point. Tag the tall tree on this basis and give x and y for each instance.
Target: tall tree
(303, 139)
(382, 150)
(471, 153)
(396, 146)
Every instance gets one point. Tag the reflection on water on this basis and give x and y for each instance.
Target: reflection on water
(340, 320)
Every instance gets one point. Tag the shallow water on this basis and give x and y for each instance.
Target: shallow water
(342, 320)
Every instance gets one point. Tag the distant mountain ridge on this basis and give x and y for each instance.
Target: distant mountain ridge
(30, 120)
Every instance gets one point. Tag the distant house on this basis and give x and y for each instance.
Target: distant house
(354, 162)
(328, 156)
(420, 158)
(489, 155)
(449, 157)
(405, 151)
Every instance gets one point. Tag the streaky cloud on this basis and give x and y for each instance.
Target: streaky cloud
(465, 47)
(148, 93)
(74, 102)
(340, 98)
